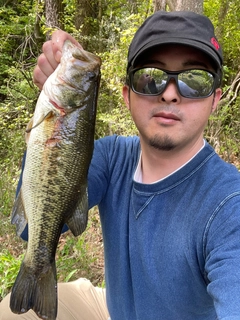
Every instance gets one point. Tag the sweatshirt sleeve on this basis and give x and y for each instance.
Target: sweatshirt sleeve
(98, 175)
(222, 249)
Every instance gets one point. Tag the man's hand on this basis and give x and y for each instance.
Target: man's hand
(48, 61)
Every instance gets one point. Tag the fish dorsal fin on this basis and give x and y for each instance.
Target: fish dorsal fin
(77, 223)
(18, 214)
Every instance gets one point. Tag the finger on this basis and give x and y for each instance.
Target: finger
(39, 77)
(47, 59)
(58, 39)
(50, 58)
(42, 70)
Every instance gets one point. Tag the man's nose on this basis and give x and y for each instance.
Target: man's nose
(171, 93)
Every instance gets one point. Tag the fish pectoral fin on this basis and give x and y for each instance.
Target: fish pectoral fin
(42, 118)
(18, 214)
(77, 223)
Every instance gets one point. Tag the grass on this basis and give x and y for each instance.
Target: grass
(9, 267)
(82, 256)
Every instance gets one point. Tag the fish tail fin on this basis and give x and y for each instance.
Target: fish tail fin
(37, 292)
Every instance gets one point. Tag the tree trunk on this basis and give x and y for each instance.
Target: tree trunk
(189, 5)
(159, 5)
(221, 15)
(53, 14)
(179, 5)
(85, 14)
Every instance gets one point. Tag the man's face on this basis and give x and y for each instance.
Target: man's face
(169, 121)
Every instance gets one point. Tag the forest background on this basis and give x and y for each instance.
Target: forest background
(106, 28)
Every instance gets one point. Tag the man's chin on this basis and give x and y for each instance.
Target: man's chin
(162, 143)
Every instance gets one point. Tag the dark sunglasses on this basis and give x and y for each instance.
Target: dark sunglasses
(192, 83)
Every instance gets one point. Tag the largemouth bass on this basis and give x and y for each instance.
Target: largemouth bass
(60, 142)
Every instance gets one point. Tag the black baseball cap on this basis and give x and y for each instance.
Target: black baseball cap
(176, 27)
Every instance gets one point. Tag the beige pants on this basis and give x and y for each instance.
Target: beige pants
(77, 300)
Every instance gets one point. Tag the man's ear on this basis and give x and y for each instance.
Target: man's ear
(126, 95)
(216, 98)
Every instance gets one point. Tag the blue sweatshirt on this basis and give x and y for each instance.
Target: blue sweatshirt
(172, 248)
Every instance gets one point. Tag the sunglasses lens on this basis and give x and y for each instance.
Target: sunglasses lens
(149, 81)
(195, 83)
(191, 83)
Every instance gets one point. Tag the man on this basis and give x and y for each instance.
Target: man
(169, 206)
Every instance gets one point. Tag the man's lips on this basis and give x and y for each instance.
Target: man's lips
(166, 115)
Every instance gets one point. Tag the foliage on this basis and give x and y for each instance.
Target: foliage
(82, 256)
(9, 267)
(73, 254)
(113, 117)
(224, 126)
(17, 92)
(227, 28)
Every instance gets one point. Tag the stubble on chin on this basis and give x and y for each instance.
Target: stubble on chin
(163, 143)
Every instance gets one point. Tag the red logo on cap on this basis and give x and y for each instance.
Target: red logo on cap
(215, 43)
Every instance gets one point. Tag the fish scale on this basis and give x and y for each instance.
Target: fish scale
(60, 140)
